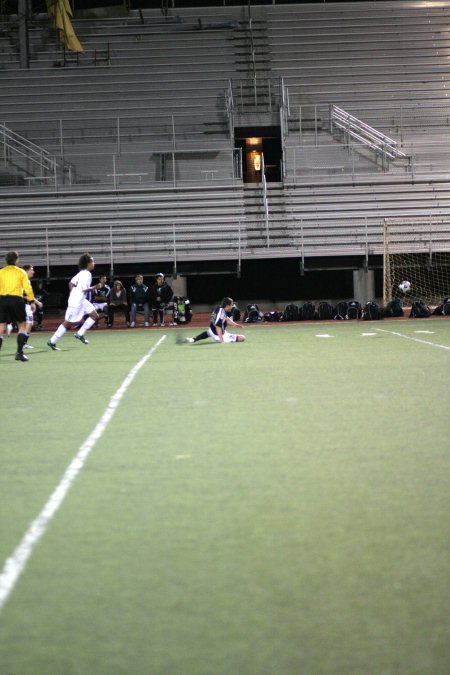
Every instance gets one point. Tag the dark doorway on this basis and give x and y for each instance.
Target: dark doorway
(256, 142)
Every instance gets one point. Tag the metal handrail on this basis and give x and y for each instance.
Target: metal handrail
(13, 143)
(284, 120)
(25, 148)
(352, 126)
(229, 108)
(252, 51)
(265, 92)
(265, 200)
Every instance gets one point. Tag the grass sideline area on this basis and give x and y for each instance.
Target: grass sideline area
(275, 506)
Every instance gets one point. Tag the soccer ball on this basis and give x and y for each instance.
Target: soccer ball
(405, 286)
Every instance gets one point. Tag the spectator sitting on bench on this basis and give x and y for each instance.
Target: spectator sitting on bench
(160, 295)
(100, 296)
(118, 303)
(139, 300)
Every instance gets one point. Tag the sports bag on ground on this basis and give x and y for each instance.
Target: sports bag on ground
(353, 310)
(235, 313)
(419, 310)
(340, 313)
(372, 311)
(182, 312)
(253, 314)
(273, 316)
(393, 308)
(308, 311)
(444, 308)
(292, 313)
(325, 311)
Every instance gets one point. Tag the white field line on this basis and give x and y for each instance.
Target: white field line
(15, 564)
(408, 337)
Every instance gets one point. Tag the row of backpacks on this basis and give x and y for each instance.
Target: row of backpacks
(343, 311)
(325, 311)
(308, 311)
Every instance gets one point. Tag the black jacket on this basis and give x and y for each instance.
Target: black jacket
(160, 293)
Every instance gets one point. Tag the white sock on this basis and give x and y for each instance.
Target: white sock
(57, 335)
(87, 324)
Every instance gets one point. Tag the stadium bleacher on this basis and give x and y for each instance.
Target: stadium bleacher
(142, 131)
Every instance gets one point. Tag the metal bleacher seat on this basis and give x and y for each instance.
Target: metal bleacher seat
(112, 125)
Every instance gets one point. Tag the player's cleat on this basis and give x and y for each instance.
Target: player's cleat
(21, 357)
(190, 340)
(81, 338)
(27, 346)
(53, 346)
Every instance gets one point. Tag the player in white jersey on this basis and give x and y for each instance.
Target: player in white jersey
(217, 330)
(78, 305)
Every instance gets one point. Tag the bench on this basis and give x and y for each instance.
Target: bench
(209, 173)
(121, 175)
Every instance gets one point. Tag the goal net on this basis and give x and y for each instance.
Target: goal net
(418, 251)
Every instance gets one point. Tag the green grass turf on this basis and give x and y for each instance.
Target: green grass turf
(277, 506)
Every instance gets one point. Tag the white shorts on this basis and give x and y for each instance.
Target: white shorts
(29, 313)
(227, 337)
(75, 314)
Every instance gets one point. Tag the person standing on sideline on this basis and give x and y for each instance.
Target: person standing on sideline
(78, 305)
(14, 285)
(160, 295)
(29, 269)
(139, 299)
(40, 294)
(217, 330)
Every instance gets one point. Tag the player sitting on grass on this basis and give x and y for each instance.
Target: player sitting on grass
(217, 330)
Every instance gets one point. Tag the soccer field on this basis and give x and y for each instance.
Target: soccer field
(275, 507)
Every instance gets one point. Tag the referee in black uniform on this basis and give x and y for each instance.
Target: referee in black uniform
(14, 285)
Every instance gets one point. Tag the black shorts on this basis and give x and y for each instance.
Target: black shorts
(12, 309)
